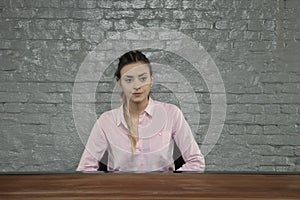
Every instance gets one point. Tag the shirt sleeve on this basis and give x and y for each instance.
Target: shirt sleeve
(183, 136)
(94, 150)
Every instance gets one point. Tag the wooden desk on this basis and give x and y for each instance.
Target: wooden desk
(149, 186)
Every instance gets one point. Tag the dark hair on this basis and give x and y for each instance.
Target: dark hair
(131, 57)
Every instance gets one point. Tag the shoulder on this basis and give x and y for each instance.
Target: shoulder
(168, 107)
(108, 116)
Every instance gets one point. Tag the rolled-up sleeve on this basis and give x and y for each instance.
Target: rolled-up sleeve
(183, 136)
(94, 150)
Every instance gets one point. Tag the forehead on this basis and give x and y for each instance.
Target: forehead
(135, 69)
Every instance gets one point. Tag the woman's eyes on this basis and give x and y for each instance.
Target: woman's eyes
(129, 80)
(143, 79)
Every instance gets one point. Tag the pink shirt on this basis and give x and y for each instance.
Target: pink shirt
(160, 124)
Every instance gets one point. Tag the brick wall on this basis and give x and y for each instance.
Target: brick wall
(254, 44)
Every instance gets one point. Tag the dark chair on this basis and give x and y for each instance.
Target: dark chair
(178, 160)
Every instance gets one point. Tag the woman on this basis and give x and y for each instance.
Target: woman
(140, 134)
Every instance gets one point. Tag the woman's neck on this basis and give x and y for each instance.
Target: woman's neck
(136, 108)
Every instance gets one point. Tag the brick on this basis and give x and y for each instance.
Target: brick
(288, 109)
(146, 14)
(254, 129)
(13, 97)
(105, 3)
(39, 108)
(172, 3)
(292, 4)
(188, 4)
(43, 3)
(287, 140)
(138, 4)
(290, 129)
(87, 4)
(268, 35)
(297, 151)
(12, 107)
(52, 13)
(271, 130)
(18, 13)
(35, 128)
(121, 4)
(272, 88)
(93, 31)
(156, 3)
(236, 108)
(235, 130)
(88, 14)
(46, 98)
(255, 109)
(269, 119)
(244, 118)
(272, 109)
(291, 88)
(68, 3)
(120, 14)
(34, 118)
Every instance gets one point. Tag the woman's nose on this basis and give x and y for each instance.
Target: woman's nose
(136, 85)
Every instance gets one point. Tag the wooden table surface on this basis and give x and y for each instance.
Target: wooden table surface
(149, 186)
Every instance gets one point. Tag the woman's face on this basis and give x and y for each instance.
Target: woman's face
(136, 81)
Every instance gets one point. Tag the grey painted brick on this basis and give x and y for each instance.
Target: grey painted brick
(13, 97)
(137, 4)
(121, 4)
(271, 109)
(271, 129)
(87, 4)
(271, 150)
(290, 129)
(53, 13)
(120, 14)
(46, 98)
(271, 88)
(43, 3)
(254, 129)
(92, 14)
(235, 129)
(68, 3)
(291, 140)
(38, 108)
(236, 108)
(35, 129)
(105, 3)
(156, 3)
(288, 109)
(291, 88)
(255, 109)
(172, 3)
(187, 4)
(12, 107)
(34, 118)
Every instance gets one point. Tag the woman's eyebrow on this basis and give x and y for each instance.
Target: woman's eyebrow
(143, 74)
(129, 76)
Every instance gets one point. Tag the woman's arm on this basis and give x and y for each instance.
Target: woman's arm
(94, 150)
(183, 136)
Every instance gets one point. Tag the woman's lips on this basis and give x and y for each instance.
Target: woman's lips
(136, 93)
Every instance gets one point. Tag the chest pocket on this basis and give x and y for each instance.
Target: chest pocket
(160, 141)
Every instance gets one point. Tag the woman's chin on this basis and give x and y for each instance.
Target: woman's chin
(137, 99)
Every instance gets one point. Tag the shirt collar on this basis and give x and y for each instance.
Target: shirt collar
(120, 114)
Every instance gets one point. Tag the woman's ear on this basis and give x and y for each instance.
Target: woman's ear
(152, 80)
